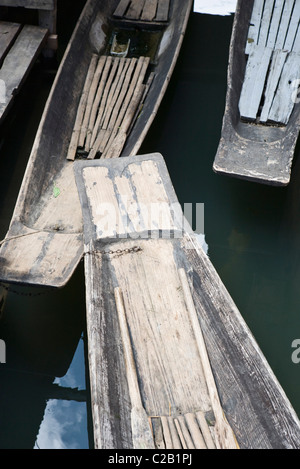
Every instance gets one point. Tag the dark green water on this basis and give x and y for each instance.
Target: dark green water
(252, 232)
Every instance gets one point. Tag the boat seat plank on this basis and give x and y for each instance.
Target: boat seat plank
(135, 9)
(255, 75)
(149, 10)
(277, 63)
(253, 32)
(265, 23)
(284, 24)
(283, 102)
(143, 10)
(162, 12)
(121, 8)
(8, 32)
(19, 60)
(293, 27)
(275, 21)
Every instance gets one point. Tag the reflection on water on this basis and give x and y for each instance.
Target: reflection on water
(215, 7)
(65, 421)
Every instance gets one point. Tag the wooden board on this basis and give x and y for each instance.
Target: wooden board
(278, 7)
(254, 81)
(19, 61)
(277, 64)
(162, 13)
(265, 23)
(8, 32)
(253, 33)
(284, 24)
(284, 99)
(143, 10)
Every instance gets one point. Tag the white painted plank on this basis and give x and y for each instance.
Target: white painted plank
(277, 63)
(265, 23)
(283, 103)
(254, 27)
(274, 26)
(293, 27)
(284, 23)
(296, 46)
(256, 71)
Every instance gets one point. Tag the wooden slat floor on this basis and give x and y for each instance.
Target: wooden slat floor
(143, 10)
(19, 47)
(273, 66)
(113, 91)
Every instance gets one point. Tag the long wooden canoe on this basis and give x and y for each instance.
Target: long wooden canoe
(262, 115)
(172, 363)
(107, 91)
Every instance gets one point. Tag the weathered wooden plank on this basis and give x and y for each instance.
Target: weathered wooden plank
(104, 97)
(265, 23)
(35, 4)
(162, 13)
(92, 89)
(130, 104)
(19, 61)
(254, 27)
(121, 8)
(284, 23)
(8, 32)
(296, 46)
(277, 63)
(293, 27)
(81, 109)
(254, 81)
(142, 437)
(113, 94)
(274, 26)
(100, 136)
(135, 9)
(149, 10)
(284, 99)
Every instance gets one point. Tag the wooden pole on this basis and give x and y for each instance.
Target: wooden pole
(141, 434)
(223, 430)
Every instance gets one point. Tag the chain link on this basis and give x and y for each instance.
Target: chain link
(116, 251)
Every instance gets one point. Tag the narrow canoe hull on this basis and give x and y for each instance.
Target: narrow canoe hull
(249, 150)
(46, 227)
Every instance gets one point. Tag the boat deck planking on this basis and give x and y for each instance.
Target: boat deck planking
(19, 48)
(262, 119)
(159, 316)
(149, 11)
(271, 30)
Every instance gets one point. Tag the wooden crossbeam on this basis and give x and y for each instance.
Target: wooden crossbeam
(18, 62)
(143, 10)
(8, 32)
(162, 12)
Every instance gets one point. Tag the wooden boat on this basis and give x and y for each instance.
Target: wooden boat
(172, 363)
(105, 95)
(262, 113)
